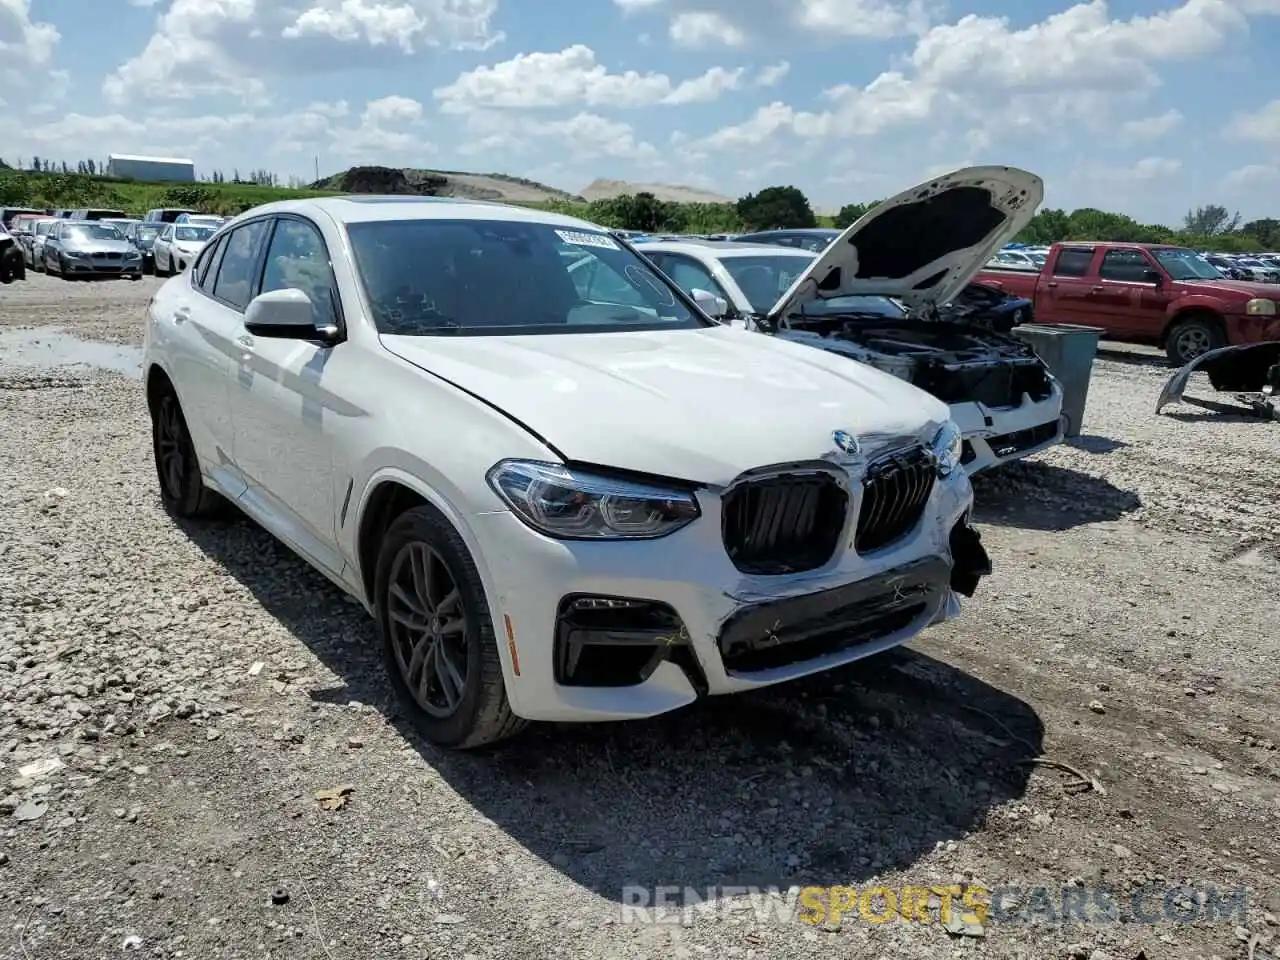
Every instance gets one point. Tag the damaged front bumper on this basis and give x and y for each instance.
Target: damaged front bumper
(613, 631)
(1250, 371)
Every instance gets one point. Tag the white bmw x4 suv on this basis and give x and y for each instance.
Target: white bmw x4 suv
(557, 504)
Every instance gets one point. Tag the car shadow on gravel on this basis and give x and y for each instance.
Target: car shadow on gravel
(1134, 357)
(827, 780)
(1033, 495)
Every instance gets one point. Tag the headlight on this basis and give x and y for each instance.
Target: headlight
(1260, 307)
(947, 447)
(575, 505)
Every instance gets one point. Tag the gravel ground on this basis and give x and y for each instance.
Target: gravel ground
(192, 689)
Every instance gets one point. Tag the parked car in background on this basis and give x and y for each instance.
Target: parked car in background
(811, 238)
(1017, 260)
(92, 213)
(201, 219)
(33, 242)
(1256, 268)
(8, 213)
(12, 265)
(84, 249)
(166, 214)
(604, 545)
(176, 246)
(142, 234)
(901, 316)
(1146, 293)
(1227, 267)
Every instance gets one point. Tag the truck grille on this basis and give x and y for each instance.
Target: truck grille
(783, 524)
(894, 495)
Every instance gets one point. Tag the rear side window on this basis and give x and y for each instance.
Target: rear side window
(1073, 262)
(237, 273)
(207, 268)
(1125, 265)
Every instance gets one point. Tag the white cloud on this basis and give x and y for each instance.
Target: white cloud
(24, 42)
(1262, 125)
(574, 76)
(1253, 175)
(702, 28)
(584, 136)
(629, 6)
(1152, 128)
(773, 75)
(202, 47)
(875, 19)
(996, 83)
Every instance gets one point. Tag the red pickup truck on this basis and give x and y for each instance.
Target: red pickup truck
(1145, 293)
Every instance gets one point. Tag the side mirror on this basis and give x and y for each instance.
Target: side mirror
(285, 314)
(713, 306)
(1153, 276)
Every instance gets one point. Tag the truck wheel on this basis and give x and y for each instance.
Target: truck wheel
(1192, 336)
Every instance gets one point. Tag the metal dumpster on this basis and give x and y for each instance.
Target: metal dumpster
(1068, 350)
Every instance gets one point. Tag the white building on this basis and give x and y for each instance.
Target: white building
(150, 169)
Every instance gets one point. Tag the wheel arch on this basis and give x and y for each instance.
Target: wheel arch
(1192, 312)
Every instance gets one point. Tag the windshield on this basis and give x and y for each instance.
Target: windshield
(763, 279)
(1186, 264)
(483, 277)
(192, 234)
(43, 227)
(148, 233)
(860, 304)
(95, 231)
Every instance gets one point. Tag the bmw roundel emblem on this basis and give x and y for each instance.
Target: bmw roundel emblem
(846, 442)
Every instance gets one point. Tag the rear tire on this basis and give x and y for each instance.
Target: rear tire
(182, 488)
(1192, 337)
(426, 575)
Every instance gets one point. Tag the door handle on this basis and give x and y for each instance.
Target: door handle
(1095, 289)
(1052, 283)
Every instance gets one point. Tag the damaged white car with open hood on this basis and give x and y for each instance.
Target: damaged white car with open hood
(562, 490)
(885, 293)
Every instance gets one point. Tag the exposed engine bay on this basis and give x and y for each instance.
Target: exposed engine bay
(1250, 371)
(956, 362)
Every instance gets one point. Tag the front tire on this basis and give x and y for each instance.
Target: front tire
(182, 488)
(1192, 337)
(438, 642)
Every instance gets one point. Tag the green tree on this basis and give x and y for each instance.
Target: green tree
(1266, 231)
(1210, 221)
(851, 213)
(641, 211)
(780, 207)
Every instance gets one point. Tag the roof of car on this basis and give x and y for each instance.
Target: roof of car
(363, 208)
(723, 248)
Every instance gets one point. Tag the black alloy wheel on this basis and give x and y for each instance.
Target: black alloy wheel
(438, 642)
(182, 488)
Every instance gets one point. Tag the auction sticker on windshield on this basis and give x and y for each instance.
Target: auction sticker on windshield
(587, 239)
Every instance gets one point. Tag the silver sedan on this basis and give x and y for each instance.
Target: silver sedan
(85, 248)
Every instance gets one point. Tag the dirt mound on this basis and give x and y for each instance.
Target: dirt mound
(442, 183)
(601, 189)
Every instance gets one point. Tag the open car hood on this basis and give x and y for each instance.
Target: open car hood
(925, 244)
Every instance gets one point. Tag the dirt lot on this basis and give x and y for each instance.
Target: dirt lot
(198, 686)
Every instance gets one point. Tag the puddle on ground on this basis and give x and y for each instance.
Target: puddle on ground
(49, 348)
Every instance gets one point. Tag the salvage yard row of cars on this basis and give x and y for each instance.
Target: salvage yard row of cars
(90, 243)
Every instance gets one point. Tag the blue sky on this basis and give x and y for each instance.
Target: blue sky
(1140, 106)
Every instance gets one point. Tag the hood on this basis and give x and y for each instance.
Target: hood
(98, 246)
(1244, 289)
(696, 405)
(190, 245)
(924, 245)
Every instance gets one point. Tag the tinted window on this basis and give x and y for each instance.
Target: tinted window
(480, 277)
(206, 267)
(1073, 261)
(689, 274)
(1127, 265)
(298, 260)
(764, 279)
(237, 273)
